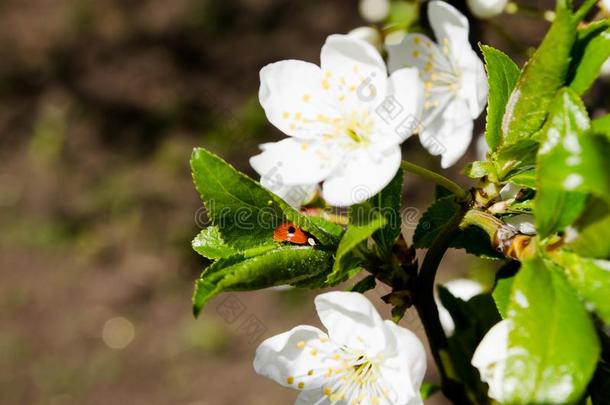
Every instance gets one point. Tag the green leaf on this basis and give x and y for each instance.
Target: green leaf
(433, 221)
(472, 319)
(594, 222)
(589, 66)
(503, 286)
(569, 165)
(590, 278)
(388, 201)
(542, 76)
(478, 169)
(244, 212)
(552, 344)
(502, 74)
(601, 126)
(472, 239)
(283, 265)
(571, 158)
(345, 266)
(364, 285)
(428, 389)
(209, 243)
(525, 178)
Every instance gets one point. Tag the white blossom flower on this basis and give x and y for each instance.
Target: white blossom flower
(361, 360)
(461, 288)
(338, 119)
(374, 10)
(368, 34)
(605, 5)
(454, 79)
(295, 195)
(490, 358)
(486, 8)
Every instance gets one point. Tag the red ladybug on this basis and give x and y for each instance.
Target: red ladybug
(288, 232)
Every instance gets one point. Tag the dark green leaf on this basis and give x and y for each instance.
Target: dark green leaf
(542, 76)
(472, 319)
(502, 74)
(552, 344)
(587, 68)
(364, 285)
(590, 278)
(600, 386)
(474, 240)
(388, 202)
(283, 265)
(433, 221)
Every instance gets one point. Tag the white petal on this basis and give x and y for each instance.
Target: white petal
(297, 358)
(404, 367)
(352, 321)
(449, 25)
(313, 397)
(449, 134)
(406, 94)
(490, 358)
(350, 63)
(474, 87)
(292, 96)
(295, 162)
(416, 50)
(361, 175)
(486, 8)
(368, 34)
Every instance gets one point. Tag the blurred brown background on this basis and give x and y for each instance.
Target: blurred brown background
(101, 103)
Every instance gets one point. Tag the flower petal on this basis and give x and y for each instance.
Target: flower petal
(292, 97)
(312, 397)
(490, 358)
(474, 86)
(361, 175)
(406, 90)
(297, 358)
(416, 50)
(404, 367)
(352, 321)
(449, 134)
(353, 68)
(295, 162)
(450, 28)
